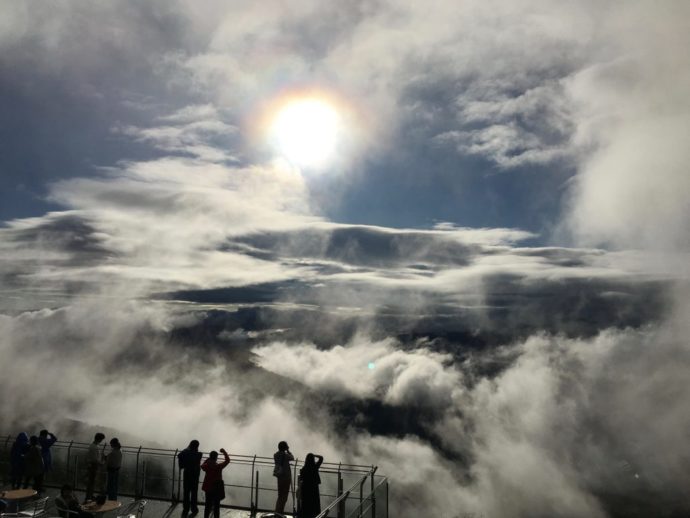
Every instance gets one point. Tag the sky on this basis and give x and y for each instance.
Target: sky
(246, 206)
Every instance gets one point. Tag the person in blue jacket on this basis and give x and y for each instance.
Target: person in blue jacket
(19, 448)
(46, 440)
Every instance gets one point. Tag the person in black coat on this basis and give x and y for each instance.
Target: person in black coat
(17, 461)
(33, 465)
(189, 461)
(310, 480)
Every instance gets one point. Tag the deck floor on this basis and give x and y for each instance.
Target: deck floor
(154, 508)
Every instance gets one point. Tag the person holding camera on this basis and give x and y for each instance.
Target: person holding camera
(213, 485)
(283, 473)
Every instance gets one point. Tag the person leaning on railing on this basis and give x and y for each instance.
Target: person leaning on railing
(46, 440)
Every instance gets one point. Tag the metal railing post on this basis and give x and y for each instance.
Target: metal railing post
(251, 489)
(257, 489)
(69, 456)
(143, 479)
(373, 494)
(386, 498)
(174, 498)
(137, 495)
(76, 472)
(361, 495)
(293, 486)
(341, 504)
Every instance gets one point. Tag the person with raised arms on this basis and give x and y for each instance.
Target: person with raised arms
(213, 485)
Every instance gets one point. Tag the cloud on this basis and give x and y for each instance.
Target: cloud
(552, 433)
(179, 260)
(206, 232)
(633, 111)
(368, 370)
(562, 88)
(473, 399)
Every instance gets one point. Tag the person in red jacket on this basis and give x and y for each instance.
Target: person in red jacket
(213, 485)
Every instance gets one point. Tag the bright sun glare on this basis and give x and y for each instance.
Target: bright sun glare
(305, 132)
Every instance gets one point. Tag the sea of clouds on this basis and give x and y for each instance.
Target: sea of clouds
(197, 290)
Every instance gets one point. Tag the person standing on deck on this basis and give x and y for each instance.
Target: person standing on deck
(94, 460)
(17, 461)
(189, 462)
(213, 485)
(283, 473)
(33, 468)
(309, 479)
(113, 462)
(46, 440)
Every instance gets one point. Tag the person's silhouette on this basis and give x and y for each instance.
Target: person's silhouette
(189, 461)
(283, 473)
(113, 462)
(213, 485)
(46, 440)
(94, 460)
(17, 460)
(33, 465)
(309, 480)
(67, 504)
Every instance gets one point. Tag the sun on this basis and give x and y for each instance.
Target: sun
(305, 132)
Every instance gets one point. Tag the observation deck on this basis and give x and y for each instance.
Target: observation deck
(152, 474)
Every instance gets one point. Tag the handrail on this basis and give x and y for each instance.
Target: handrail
(335, 502)
(369, 503)
(152, 473)
(327, 467)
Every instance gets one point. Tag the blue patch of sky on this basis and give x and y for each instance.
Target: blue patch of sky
(418, 190)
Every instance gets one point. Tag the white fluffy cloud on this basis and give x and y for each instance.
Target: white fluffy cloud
(369, 370)
(565, 422)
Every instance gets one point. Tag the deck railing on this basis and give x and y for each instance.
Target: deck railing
(152, 473)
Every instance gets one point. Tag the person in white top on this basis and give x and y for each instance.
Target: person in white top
(94, 461)
(283, 473)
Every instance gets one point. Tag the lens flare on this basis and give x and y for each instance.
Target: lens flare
(305, 132)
